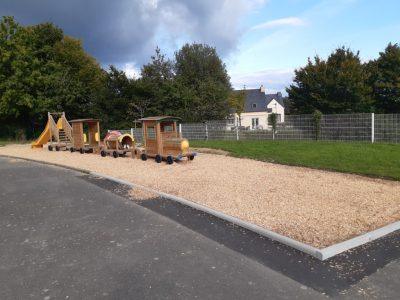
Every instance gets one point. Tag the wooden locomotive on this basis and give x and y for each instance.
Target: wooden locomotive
(118, 144)
(162, 140)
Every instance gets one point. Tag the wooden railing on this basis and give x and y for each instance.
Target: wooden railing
(53, 128)
(66, 126)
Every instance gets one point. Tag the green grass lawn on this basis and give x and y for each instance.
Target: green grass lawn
(378, 160)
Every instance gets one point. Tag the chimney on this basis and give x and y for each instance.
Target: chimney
(262, 89)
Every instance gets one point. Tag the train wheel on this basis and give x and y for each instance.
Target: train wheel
(115, 154)
(170, 160)
(143, 156)
(57, 148)
(158, 158)
(50, 148)
(103, 153)
(191, 157)
(72, 149)
(81, 151)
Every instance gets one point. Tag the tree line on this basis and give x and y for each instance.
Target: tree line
(342, 83)
(42, 69)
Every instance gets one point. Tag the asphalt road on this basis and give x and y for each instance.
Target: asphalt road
(66, 236)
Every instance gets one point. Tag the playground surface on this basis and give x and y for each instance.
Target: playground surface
(316, 207)
(69, 235)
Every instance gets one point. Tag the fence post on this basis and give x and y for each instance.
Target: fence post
(372, 128)
(180, 130)
(237, 133)
(132, 132)
(206, 130)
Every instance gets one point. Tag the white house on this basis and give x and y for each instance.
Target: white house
(257, 107)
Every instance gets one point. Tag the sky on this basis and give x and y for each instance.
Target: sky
(260, 41)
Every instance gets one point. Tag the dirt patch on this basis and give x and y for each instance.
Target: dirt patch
(313, 206)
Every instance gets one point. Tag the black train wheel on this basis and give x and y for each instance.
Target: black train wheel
(50, 148)
(103, 153)
(158, 158)
(115, 154)
(170, 160)
(81, 151)
(143, 156)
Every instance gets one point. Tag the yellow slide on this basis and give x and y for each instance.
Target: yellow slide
(43, 138)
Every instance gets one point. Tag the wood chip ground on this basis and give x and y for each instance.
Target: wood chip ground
(316, 207)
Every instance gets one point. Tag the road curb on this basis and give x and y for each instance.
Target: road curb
(321, 254)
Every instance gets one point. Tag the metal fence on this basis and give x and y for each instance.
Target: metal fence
(340, 127)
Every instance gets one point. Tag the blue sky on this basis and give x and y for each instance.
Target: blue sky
(280, 35)
(261, 41)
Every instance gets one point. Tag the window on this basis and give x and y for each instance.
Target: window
(151, 133)
(254, 105)
(254, 123)
(168, 128)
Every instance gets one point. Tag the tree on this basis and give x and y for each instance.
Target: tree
(42, 70)
(273, 121)
(154, 87)
(337, 85)
(202, 83)
(317, 116)
(384, 77)
(236, 101)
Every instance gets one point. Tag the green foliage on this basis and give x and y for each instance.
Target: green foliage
(273, 121)
(237, 100)
(384, 77)
(202, 83)
(379, 160)
(317, 116)
(42, 70)
(335, 85)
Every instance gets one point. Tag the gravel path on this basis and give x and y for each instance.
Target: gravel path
(316, 207)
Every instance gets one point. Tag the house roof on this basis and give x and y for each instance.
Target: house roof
(278, 97)
(257, 98)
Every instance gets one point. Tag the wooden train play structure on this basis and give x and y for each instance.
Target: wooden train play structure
(86, 136)
(161, 139)
(118, 144)
(58, 135)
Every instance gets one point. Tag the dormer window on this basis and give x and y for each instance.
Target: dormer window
(254, 105)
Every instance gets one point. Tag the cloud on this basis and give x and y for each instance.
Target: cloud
(127, 31)
(131, 70)
(291, 21)
(273, 80)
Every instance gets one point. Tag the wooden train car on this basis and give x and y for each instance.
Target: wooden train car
(117, 144)
(83, 143)
(162, 140)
